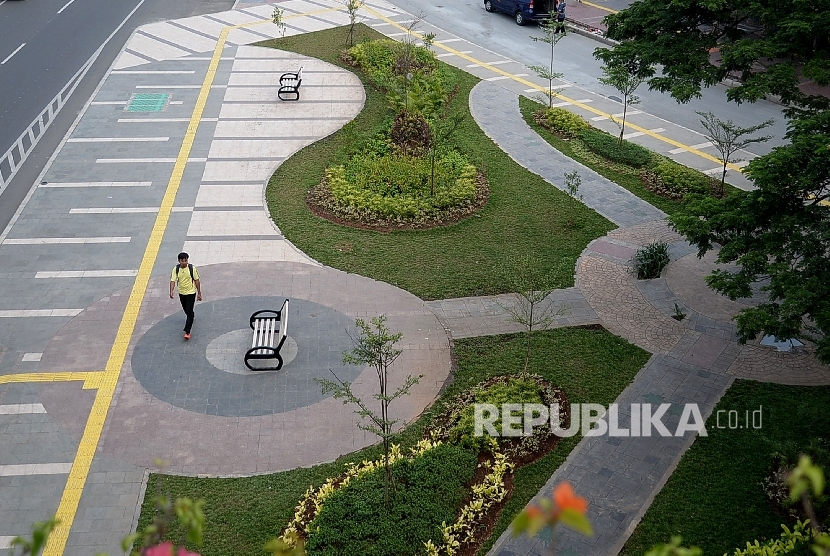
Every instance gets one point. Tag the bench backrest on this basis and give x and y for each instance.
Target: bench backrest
(284, 318)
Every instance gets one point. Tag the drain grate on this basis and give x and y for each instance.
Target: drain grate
(148, 102)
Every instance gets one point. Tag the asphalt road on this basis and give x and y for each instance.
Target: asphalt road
(574, 58)
(58, 37)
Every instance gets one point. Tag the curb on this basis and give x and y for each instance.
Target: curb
(582, 29)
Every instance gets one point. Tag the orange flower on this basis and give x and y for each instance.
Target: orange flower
(565, 498)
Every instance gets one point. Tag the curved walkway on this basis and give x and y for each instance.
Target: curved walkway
(694, 362)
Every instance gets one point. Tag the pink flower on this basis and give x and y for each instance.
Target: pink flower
(166, 549)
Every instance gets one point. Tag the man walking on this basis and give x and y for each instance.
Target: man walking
(190, 289)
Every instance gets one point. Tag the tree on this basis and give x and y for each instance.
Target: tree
(625, 78)
(768, 45)
(727, 138)
(549, 28)
(532, 285)
(352, 7)
(374, 346)
(778, 234)
(278, 18)
(443, 128)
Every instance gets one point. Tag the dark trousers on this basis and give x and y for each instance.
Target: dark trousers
(188, 301)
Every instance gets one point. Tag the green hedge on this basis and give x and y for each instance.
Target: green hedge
(355, 522)
(607, 145)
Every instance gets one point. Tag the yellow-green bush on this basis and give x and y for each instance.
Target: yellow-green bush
(399, 187)
(682, 180)
(563, 121)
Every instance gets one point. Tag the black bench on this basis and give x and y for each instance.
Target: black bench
(290, 85)
(270, 331)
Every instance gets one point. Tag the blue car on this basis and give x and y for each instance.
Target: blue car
(522, 10)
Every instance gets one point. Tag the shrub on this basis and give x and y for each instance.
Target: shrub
(562, 121)
(674, 180)
(650, 260)
(411, 134)
(395, 187)
(380, 59)
(607, 145)
(430, 489)
(515, 391)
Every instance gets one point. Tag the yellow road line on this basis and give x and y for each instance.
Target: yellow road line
(597, 6)
(106, 381)
(109, 378)
(68, 376)
(509, 75)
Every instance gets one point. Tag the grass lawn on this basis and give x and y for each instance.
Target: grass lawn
(589, 364)
(524, 216)
(714, 499)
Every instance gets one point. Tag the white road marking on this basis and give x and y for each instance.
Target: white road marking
(65, 6)
(86, 274)
(23, 408)
(9, 57)
(65, 240)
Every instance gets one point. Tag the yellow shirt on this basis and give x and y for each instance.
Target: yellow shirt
(182, 276)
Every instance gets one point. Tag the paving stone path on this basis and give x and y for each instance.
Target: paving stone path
(695, 360)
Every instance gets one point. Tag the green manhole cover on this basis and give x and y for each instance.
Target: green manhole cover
(148, 102)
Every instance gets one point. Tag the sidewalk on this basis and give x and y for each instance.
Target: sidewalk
(172, 154)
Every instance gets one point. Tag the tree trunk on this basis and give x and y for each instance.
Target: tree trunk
(622, 129)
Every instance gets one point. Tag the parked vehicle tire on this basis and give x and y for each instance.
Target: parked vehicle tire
(488, 6)
(520, 19)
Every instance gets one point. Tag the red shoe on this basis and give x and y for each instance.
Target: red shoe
(187, 335)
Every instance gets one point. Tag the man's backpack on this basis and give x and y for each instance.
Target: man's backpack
(177, 268)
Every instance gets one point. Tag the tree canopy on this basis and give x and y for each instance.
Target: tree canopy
(778, 235)
(770, 46)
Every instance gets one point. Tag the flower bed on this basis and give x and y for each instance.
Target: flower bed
(348, 510)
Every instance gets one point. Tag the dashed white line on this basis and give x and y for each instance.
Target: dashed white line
(65, 6)
(34, 469)
(641, 133)
(126, 210)
(500, 77)
(23, 408)
(98, 184)
(87, 274)
(444, 55)
(160, 120)
(142, 160)
(118, 140)
(698, 146)
(583, 101)
(9, 57)
(23, 313)
(153, 72)
(32, 357)
(496, 63)
(66, 240)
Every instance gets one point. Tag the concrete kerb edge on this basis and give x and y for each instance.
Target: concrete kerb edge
(579, 29)
(140, 502)
(664, 479)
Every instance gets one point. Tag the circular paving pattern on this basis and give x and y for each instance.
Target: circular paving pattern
(207, 374)
(223, 352)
